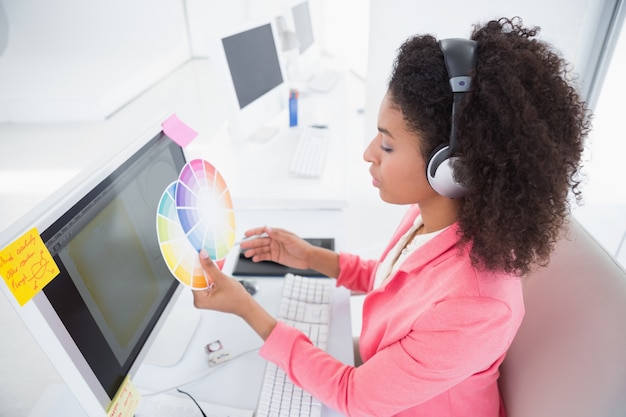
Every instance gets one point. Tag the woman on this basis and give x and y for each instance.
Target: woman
(444, 300)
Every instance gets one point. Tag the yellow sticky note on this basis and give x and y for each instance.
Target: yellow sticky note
(125, 401)
(27, 266)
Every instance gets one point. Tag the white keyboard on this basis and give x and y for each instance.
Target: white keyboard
(309, 156)
(305, 304)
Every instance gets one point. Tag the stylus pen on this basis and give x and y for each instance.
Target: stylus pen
(245, 239)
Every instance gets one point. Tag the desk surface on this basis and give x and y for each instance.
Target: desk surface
(238, 383)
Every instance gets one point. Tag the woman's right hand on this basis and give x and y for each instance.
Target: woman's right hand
(277, 245)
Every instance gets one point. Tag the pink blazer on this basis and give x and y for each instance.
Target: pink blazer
(432, 339)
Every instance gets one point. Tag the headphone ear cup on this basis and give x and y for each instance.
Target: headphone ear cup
(440, 174)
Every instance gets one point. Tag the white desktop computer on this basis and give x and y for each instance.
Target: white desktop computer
(308, 45)
(247, 62)
(304, 64)
(97, 319)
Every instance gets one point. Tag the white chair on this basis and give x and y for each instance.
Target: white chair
(569, 356)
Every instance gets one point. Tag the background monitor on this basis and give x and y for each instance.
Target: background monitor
(4, 29)
(97, 319)
(302, 61)
(303, 25)
(248, 61)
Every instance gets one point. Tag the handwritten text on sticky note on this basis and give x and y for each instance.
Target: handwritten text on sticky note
(125, 401)
(26, 266)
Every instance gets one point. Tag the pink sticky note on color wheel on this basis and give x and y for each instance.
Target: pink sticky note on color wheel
(178, 131)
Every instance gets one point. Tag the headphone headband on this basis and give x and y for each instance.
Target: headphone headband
(459, 57)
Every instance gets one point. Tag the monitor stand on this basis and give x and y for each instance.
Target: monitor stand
(263, 134)
(174, 337)
(241, 130)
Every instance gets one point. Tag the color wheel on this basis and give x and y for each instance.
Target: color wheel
(195, 213)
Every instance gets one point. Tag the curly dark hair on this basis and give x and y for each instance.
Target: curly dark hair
(521, 132)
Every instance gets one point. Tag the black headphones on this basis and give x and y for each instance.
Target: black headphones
(459, 57)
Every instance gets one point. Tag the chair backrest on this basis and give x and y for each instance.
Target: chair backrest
(569, 356)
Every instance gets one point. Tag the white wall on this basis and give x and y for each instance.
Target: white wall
(69, 60)
(570, 25)
(341, 27)
(609, 137)
(211, 18)
(344, 30)
(604, 209)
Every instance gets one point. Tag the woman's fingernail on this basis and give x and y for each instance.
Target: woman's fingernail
(203, 254)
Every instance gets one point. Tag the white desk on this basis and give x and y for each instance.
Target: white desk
(257, 173)
(238, 383)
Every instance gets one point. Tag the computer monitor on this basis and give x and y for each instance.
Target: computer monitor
(247, 60)
(98, 317)
(308, 47)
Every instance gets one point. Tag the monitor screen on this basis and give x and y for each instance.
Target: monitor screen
(309, 54)
(253, 63)
(304, 27)
(114, 284)
(246, 63)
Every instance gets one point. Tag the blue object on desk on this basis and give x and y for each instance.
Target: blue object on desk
(293, 108)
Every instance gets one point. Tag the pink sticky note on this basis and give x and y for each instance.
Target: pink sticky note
(178, 131)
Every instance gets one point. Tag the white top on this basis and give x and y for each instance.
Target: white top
(402, 250)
